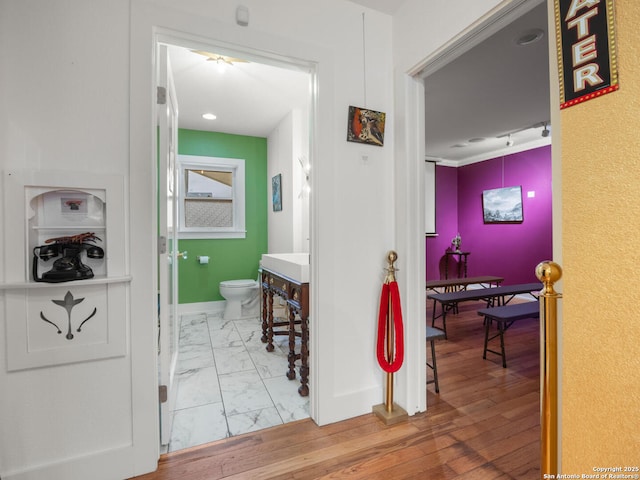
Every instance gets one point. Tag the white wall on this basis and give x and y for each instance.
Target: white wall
(300, 191)
(64, 96)
(289, 228)
(279, 155)
(76, 93)
(420, 31)
(351, 201)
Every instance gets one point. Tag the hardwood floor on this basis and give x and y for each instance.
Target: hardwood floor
(484, 424)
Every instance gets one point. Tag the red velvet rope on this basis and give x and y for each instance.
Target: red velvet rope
(390, 290)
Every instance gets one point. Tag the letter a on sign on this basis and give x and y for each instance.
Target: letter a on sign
(587, 57)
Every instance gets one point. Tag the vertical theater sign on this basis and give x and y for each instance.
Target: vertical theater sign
(586, 50)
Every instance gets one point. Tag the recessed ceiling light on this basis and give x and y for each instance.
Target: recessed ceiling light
(477, 139)
(529, 37)
(209, 116)
(459, 145)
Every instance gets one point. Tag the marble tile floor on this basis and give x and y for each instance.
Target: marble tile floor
(228, 383)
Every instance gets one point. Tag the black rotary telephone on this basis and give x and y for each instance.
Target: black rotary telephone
(69, 266)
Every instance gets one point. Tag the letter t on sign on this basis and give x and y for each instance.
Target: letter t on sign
(587, 56)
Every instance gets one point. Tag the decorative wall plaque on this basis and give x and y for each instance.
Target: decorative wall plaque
(587, 56)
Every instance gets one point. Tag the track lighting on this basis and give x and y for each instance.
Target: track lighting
(509, 141)
(527, 133)
(545, 130)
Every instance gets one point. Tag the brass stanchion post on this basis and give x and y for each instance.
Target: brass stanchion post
(389, 412)
(391, 277)
(548, 273)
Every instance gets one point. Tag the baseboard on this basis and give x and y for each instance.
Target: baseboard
(214, 307)
(201, 307)
(113, 463)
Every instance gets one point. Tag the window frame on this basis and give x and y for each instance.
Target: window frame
(234, 165)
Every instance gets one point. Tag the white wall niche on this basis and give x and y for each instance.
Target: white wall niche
(54, 320)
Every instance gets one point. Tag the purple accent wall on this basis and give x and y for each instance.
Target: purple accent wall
(446, 221)
(508, 250)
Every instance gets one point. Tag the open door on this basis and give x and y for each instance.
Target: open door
(168, 321)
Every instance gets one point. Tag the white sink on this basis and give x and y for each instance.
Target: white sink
(292, 265)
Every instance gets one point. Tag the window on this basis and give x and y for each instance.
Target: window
(212, 200)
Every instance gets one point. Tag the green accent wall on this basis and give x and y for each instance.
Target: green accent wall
(232, 258)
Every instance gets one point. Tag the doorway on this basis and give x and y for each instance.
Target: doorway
(520, 28)
(488, 109)
(226, 382)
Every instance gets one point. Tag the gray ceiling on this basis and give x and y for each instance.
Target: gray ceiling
(496, 88)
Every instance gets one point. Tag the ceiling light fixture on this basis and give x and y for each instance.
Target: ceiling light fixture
(209, 116)
(222, 61)
(509, 141)
(545, 130)
(525, 129)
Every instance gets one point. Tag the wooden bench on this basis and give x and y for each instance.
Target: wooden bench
(455, 284)
(494, 296)
(505, 316)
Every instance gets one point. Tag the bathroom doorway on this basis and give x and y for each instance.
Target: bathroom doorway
(219, 362)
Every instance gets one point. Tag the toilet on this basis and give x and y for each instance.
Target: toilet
(238, 293)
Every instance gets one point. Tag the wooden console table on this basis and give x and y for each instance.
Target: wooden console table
(296, 295)
(462, 262)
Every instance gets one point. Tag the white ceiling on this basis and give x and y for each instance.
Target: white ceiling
(496, 88)
(385, 6)
(247, 98)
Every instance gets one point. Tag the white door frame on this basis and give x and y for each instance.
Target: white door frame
(410, 187)
(185, 40)
(168, 321)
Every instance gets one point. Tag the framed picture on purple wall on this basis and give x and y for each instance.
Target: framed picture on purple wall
(502, 205)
